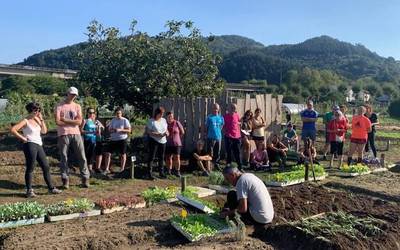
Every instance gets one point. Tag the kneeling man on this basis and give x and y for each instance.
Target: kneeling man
(251, 198)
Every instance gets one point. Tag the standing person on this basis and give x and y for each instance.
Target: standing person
(32, 128)
(174, 144)
(309, 117)
(232, 135)
(246, 127)
(68, 116)
(251, 198)
(119, 128)
(157, 130)
(258, 126)
(343, 109)
(337, 130)
(360, 126)
(90, 130)
(373, 118)
(328, 117)
(213, 130)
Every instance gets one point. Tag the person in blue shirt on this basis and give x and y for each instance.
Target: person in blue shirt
(309, 117)
(213, 131)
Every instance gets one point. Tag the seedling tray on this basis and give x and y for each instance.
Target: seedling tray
(18, 223)
(188, 236)
(219, 189)
(195, 204)
(345, 174)
(290, 183)
(122, 208)
(73, 216)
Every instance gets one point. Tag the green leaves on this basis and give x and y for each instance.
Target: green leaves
(70, 206)
(296, 173)
(21, 211)
(216, 178)
(156, 194)
(359, 168)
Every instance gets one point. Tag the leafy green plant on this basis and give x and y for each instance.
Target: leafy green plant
(70, 206)
(193, 196)
(216, 178)
(21, 211)
(359, 168)
(341, 223)
(155, 194)
(296, 173)
(200, 225)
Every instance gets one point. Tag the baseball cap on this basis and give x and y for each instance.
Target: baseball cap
(72, 91)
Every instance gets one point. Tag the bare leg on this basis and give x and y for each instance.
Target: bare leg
(209, 166)
(340, 161)
(169, 162)
(351, 152)
(201, 166)
(99, 158)
(331, 161)
(177, 160)
(107, 160)
(123, 161)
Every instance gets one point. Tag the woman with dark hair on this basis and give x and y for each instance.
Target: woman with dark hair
(174, 144)
(119, 129)
(32, 128)
(91, 131)
(258, 126)
(246, 125)
(157, 130)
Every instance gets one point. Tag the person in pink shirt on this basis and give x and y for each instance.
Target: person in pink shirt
(68, 116)
(232, 135)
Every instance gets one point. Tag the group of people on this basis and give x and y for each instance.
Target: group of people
(76, 136)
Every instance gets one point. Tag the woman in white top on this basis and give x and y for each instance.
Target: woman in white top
(32, 128)
(157, 131)
(258, 126)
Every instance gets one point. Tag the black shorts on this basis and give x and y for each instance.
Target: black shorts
(117, 147)
(337, 147)
(258, 138)
(173, 150)
(98, 150)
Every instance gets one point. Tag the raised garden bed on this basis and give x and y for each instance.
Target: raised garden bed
(71, 209)
(295, 176)
(219, 189)
(328, 231)
(353, 170)
(120, 203)
(197, 226)
(21, 214)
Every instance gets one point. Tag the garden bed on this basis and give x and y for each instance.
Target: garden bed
(219, 189)
(71, 209)
(295, 176)
(353, 170)
(196, 204)
(73, 216)
(120, 203)
(24, 222)
(21, 214)
(294, 182)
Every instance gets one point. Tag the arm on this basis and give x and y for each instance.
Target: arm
(242, 208)
(14, 130)
(39, 120)
(82, 126)
(57, 117)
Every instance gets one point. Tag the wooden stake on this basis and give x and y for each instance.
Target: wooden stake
(183, 183)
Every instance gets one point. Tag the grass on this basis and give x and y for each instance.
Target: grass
(387, 134)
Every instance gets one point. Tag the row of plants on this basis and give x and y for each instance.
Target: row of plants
(199, 225)
(70, 206)
(120, 201)
(341, 223)
(296, 173)
(21, 211)
(358, 168)
(155, 194)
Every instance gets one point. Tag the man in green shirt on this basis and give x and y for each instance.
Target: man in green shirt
(329, 116)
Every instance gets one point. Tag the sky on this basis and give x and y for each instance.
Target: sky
(28, 27)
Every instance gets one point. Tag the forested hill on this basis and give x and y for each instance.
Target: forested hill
(245, 59)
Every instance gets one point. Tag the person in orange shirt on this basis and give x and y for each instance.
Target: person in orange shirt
(360, 126)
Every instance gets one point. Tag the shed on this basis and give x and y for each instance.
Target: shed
(293, 108)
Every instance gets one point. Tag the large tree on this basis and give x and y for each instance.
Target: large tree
(139, 69)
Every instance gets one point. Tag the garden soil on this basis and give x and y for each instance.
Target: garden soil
(148, 228)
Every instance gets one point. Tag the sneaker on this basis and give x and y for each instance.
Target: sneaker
(106, 172)
(178, 173)
(65, 183)
(55, 191)
(30, 194)
(85, 183)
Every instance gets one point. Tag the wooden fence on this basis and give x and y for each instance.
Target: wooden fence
(192, 112)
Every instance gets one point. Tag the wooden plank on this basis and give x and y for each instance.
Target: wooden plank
(247, 103)
(73, 216)
(203, 113)
(204, 192)
(220, 189)
(261, 104)
(240, 107)
(19, 223)
(272, 127)
(279, 109)
(196, 119)
(253, 104)
(122, 208)
(190, 124)
(268, 110)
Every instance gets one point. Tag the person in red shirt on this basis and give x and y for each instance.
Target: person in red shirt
(337, 130)
(360, 126)
(232, 135)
